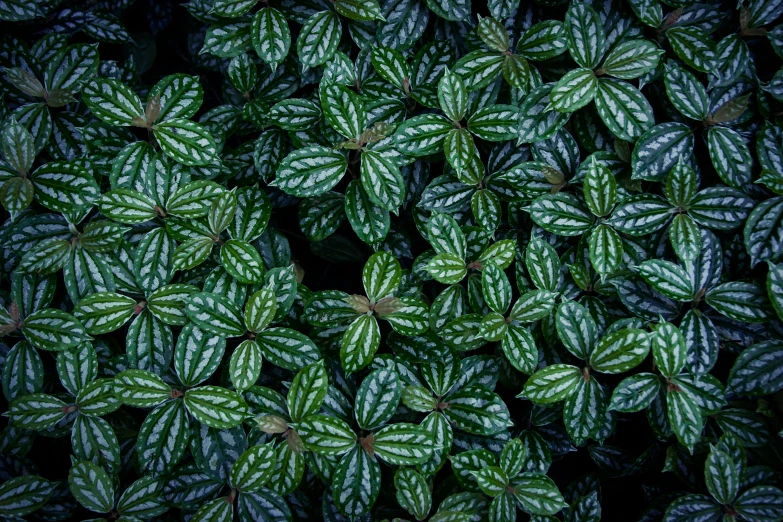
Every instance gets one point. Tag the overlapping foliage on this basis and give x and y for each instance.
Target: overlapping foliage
(560, 215)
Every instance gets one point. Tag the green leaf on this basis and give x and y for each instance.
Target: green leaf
(287, 348)
(686, 92)
(381, 276)
(390, 64)
(668, 348)
(620, 351)
(532, 306)
(632, 59)
(20, 496)
(307, 391)
(163, 437)
(479, 68)
(180, 96)
(186, 142)
(402, 444)
(413, 493)
(491, 480)
(576, 329)
(476, 410)
(762, 502)
(18, 147)
(543, 41)
(584, 410)
(344, 111)
(104, 312)
(356, 482)
(51, 329)
(452, 96)
(382, 181)
(606, 250)
(359, 343)
(600, 189)
(370, 222)
(537, 494)
(319, 38)
(216, 407)
(326, 435)
(16, 194)
(271, 35)
(244, 367)
(574, 90)
(459, 149)
(36, 411)
(641, 215)
(721, 476)
(730, 156)
(494, 122)
(359, 10)
(310, 171)
(227, 39)
(562, 214)
(685, 416)
(635, 393)
(746, 302)
(422, 135)
(694, 507)
(91, 486)
(659, 149)
(624, 109)
(668, 278)
(585, 35)
(693, 46)
(253, 469)
(242, 261)
(141, 389)
(113, 102)
(552, 384)
(215, 314)
(756, 371)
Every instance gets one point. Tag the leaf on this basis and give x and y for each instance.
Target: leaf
(215, 314)
(104, 312)
(562, 214)
(600, 189)
(180, 96)
(391, 66)
(422, 135)
(641, 215)
(631, 59)
(186, 142)
(576, 329)
(381, 276)
(36, 411)
(585, 35)
(382, 181)
(413, 493)
(635, 393)
(370, 222)
(344, 111)
(356, 482)
(552, 384)
(113, 102)
(537, 494)
(216, 407)
(479, 68)
(686, 92)
(453, 96)
(242, 261)
(163, 437)
(319, 38)
(761, 231)
(574, 90)
(307, 391)
(760, 502)
(744, 302)
(253, 469)
(91, 486)
(271, 35)
(625, 111)
(730, 156)
(668, 278)
(721, 476)
(140, 388)
(685, 417)
(310, 171)
(494, 122)
(20, 496)
(658, 149)
(606, 249)
(693, 507)
(51, 329)
(585, 410)
(476, 410)
(358, 10)
(693, 46)
(245, 365)
(543, 41)
(756, 370)
(359, 344)
(326, 435)
(620, 351)
(668, 348)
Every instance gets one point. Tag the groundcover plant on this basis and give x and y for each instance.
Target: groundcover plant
(407, 259)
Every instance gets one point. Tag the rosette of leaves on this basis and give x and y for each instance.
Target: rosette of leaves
(355, 315)
(356, 479)
(734, 489)
(505, 480)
